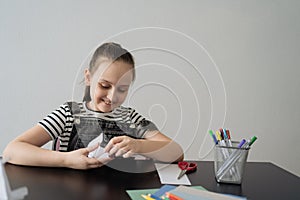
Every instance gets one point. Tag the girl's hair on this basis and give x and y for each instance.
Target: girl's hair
(112, 52)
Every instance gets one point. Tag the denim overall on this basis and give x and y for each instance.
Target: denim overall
(86, 128)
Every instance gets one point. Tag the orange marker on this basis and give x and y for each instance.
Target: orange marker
(172, 196)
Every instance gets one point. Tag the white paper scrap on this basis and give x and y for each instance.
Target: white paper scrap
(168, 174)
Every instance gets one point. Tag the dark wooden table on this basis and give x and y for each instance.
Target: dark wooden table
(261, 181)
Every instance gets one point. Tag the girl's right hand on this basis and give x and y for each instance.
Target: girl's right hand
(78, 159)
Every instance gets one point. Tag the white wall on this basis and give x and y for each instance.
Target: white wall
(250, 84)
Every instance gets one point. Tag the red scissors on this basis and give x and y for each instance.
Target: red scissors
(186, 167)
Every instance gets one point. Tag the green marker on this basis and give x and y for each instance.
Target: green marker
(211, 133)
(252, 140)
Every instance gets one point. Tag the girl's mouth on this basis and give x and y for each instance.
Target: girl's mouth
(107, 102)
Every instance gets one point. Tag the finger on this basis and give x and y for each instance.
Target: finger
(98, 162)
(118, 139)
(112, 142)
(92, 148)
(120, 152)
(87, 150)
(92, 161)
(105, 160)
(95, 165)
(127, 154)
(108, 147)
(113, 150)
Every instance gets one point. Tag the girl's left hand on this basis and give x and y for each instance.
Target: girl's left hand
(122, 146)
(78, 159)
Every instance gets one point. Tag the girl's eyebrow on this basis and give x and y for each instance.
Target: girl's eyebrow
(103, 80)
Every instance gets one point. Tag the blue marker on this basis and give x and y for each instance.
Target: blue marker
(226, 137)
(153, 197)
(225, 134)
(241, 143)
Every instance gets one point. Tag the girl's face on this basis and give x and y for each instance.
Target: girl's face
(109, 85)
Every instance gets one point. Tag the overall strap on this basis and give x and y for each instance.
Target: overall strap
(74, 109)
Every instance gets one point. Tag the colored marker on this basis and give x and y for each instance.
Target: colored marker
(228, 137)
(153, 196)
(222, 142)
(147, 197)
(222, 134)
(252, 140)
(213, 136)
(225, 137)
(172, 196)
(242, 143)
(228, 134)
(218, 136)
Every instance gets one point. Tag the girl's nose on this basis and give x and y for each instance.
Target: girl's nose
(111, 95)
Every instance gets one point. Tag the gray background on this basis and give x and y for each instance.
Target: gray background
(200, 65)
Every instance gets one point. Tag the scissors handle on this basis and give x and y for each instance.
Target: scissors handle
(192, 167)
(186, 167)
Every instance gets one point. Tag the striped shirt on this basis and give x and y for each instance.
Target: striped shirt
(59, 123)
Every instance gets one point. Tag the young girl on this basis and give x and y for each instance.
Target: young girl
(120, 131)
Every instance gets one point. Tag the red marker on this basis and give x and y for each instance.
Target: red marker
(228, 134)
(229, 138)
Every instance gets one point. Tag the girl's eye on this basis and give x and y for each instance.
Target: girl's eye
(123, 89)
(105, 86)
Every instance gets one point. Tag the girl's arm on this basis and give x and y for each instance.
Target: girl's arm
(26, 150)
(160, 147)
(155, 145)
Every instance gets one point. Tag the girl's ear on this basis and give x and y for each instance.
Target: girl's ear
(87, 77)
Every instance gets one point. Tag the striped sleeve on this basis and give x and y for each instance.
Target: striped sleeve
(56, 121)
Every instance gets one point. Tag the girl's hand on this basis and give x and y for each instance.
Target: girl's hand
(79, 159)
(122, 146)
